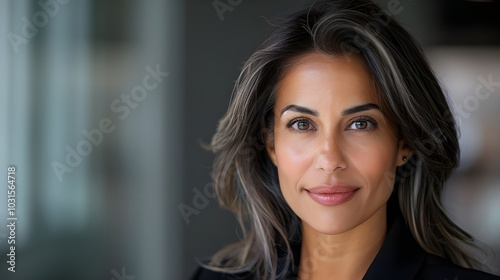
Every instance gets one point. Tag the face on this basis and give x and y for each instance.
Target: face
(335, 151)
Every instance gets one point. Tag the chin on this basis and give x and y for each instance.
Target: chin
(330, 226)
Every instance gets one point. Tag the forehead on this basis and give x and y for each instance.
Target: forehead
(320, 77)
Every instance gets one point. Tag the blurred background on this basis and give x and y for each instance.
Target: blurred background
(105, 106)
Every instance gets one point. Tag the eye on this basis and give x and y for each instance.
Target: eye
(362, 124)
(300, 124)
(359, 125)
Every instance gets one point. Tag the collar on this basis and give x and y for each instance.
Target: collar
(400, 257)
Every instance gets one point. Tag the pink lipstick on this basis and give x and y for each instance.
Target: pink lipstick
(332, 195)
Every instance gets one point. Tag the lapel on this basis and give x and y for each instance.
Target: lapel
(400, 256)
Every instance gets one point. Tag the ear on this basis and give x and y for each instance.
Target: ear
(269, 141)
(404, 151)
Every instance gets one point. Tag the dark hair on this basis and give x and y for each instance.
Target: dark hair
(246, 181)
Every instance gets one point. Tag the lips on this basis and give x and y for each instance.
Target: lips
(332, 195)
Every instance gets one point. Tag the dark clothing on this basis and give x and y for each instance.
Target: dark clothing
(400, 257)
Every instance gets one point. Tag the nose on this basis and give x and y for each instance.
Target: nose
(330, 155)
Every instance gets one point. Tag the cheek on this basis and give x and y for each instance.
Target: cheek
(293, 159)
(376, 163)
(291, 148)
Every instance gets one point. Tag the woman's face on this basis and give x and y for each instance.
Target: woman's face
(335, 151)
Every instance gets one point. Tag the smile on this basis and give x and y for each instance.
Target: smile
(332, 195)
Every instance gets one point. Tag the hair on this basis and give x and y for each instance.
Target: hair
(246, 181)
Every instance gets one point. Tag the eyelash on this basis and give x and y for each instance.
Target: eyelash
(366, 119)
(292, 122)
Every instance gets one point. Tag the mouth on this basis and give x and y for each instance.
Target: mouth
(332, 195)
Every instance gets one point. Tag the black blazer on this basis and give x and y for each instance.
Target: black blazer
(400, 257)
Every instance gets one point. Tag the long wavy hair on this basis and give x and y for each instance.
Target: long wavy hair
(246, 181)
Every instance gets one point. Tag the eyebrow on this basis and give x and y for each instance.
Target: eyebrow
(348, 111)
(300, 109)
(360, 108)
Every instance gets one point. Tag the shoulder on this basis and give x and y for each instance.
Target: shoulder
(205, 274)
(401, 257)
(438, 268)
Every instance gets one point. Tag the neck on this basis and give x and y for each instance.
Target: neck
(342, 256)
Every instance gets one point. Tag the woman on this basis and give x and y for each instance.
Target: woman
(333, 154)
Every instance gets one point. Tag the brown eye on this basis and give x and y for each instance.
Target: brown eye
(302, 125)
(363, 124)
(360, 125)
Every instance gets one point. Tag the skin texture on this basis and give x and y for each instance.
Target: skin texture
(328, 140)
